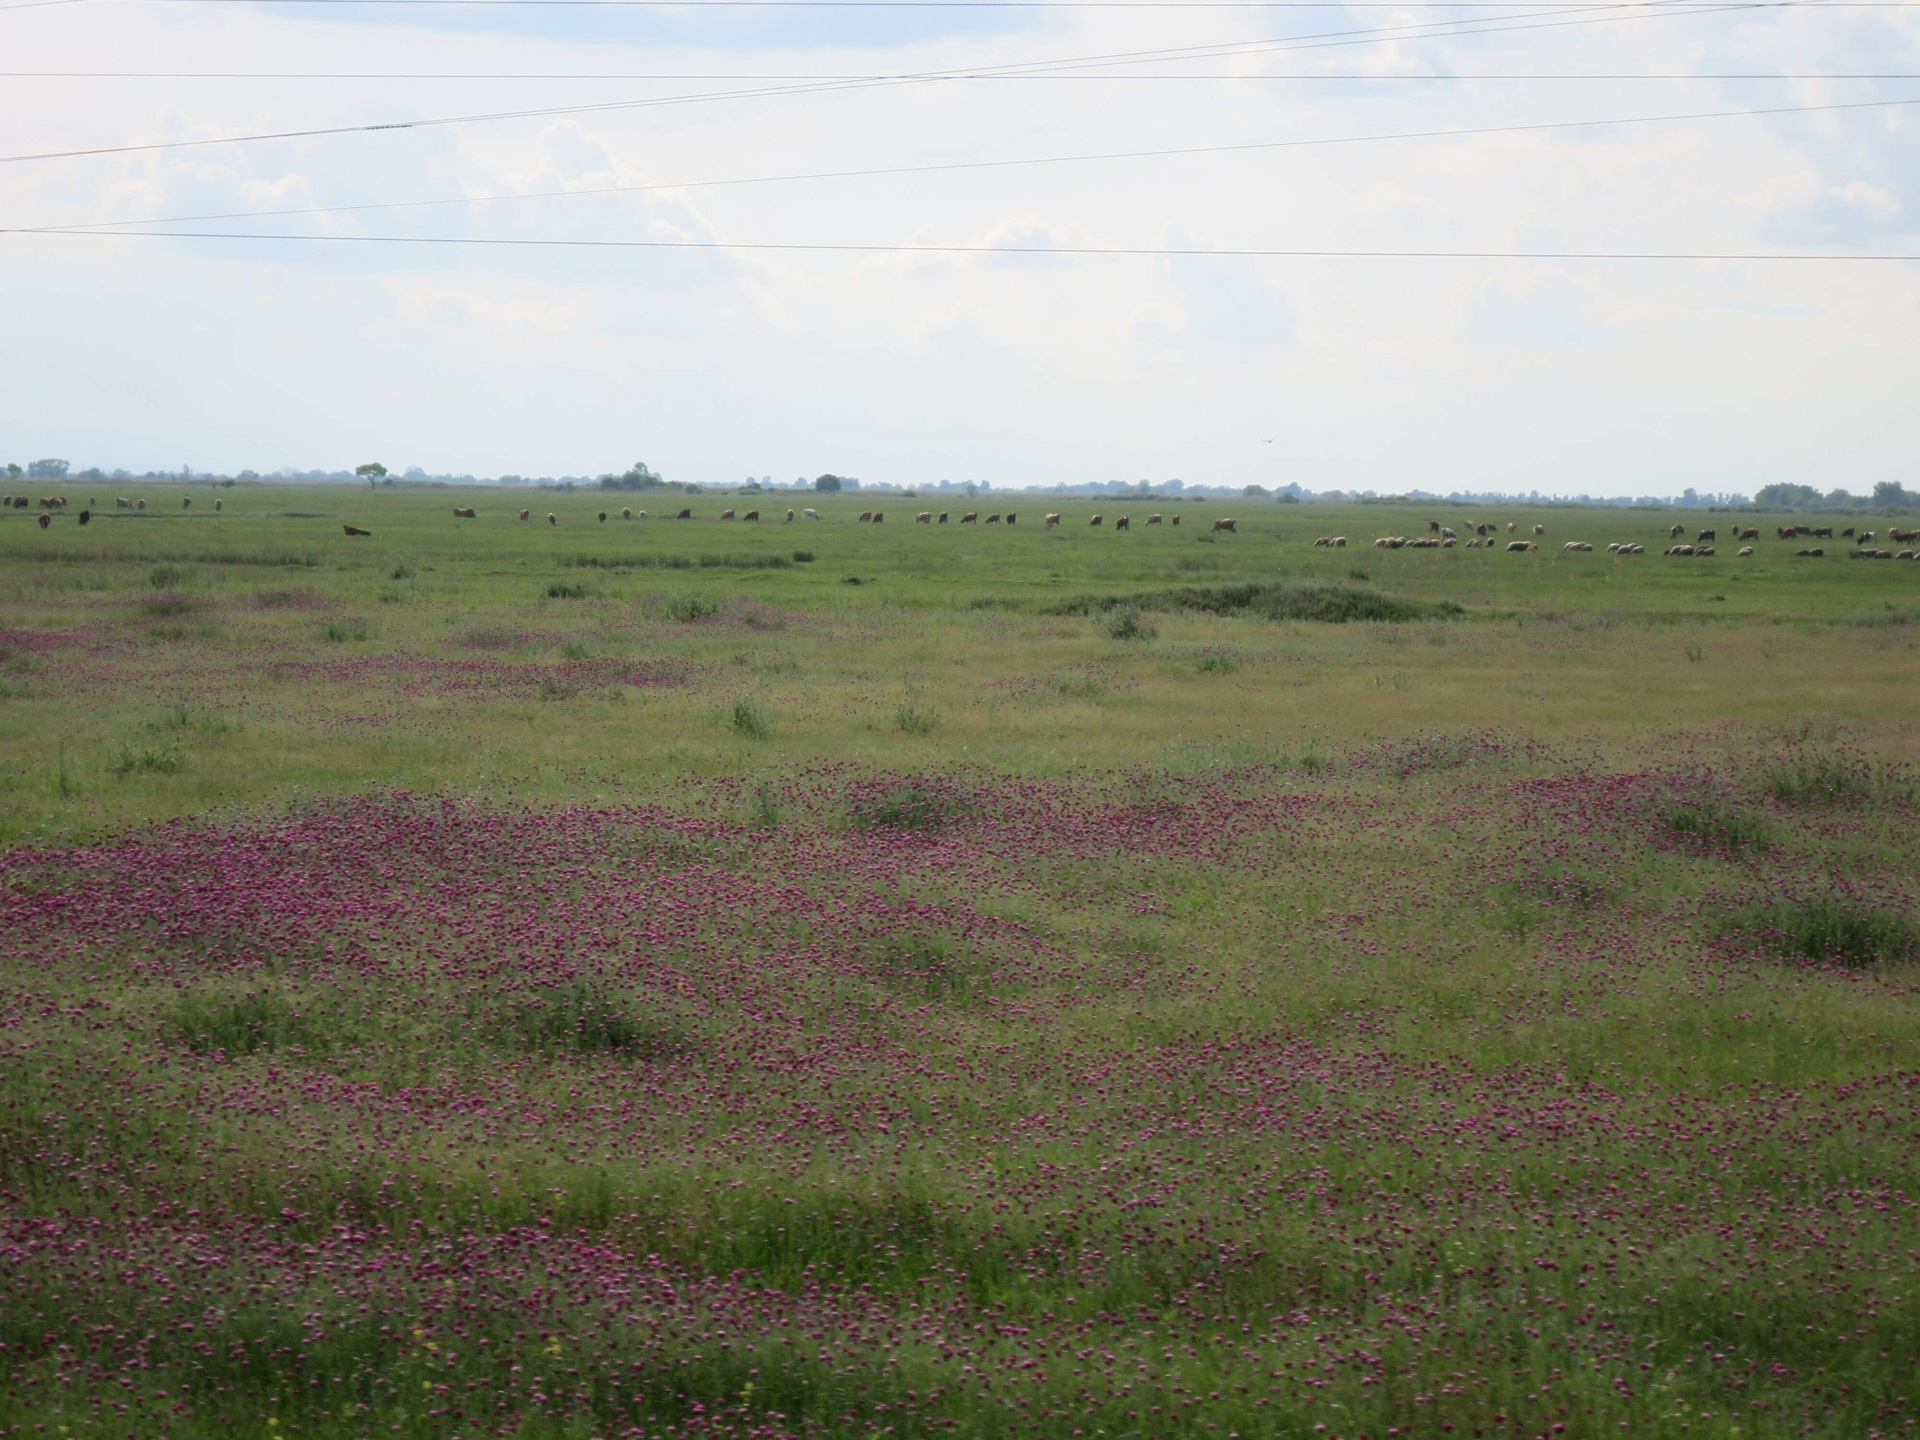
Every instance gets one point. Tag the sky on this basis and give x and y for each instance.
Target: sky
(708, 132)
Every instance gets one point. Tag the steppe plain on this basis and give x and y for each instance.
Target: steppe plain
(669, 978)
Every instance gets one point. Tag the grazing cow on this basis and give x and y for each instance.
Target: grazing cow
(943, 517)
(751, 515)
(972, 517)
(1706, 537)
(640, 515)
(809, 514)
(525, 514)
(686, 513)
(789, 517)
(1011, 517)
(1813, 554)
(552, 519)
(728, 515)
(122, 503)
(925, 517)
(1052, 520)
(1539, 530)
(1511, 527)
(1902, 537)
(1847, 534)
(992, 519)
(1676, 531)
(1867, 538)
(1174, 521)
(603, 517)
(140, 504)
(216, 507)
(355, 530)
(626, 513)
(1153, 519)
(1745, 551)
(45, 519)
(878, 516)
(85, 516)
(1751, 533)
(1120, 522)
(1096, 520)
(464, 512)
(866, 517)
(1226, 525)
(1823, 532)
(186, 502)
(1516, 547)
(1433, 527)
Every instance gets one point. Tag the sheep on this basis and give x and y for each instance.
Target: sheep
(1745, 552)
(216, 507)
(1813, 554)
(1011, 517)
(1674, 532)
(1339, 542)
(1510, 527)
(809, 514)
(789, 517)
(640, 515)
(1539, 530)
(45, 519)
(186, 502)
(86, 515)
(626, 512)
(1474, 544)
(1517, 547)
(1323, 542)
(1678, 550)
(140, 504)
(1446, 533)
(1433, 527)
(1907, 555)
(1574, 547)
(355, 530)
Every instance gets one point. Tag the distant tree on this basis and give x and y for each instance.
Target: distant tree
(827, 484)
(1256, 492)
(1892, 492)
(48, 470)
(1783, 495)
(373, 472)
(13, 471)
(638, 477)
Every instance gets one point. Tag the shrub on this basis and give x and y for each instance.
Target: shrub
(165, 577)
(162, 606)
(750, 720)
(803, 557)
(1834, 930)
(561, 590)
(914, 720)
(342, 630)
(689, 608)
(1127, 624)
(1216, 662)
(1329, 604)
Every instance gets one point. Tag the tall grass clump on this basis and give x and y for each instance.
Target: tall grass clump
(749, 719)
(1715, 826)
(1833, 930)
(925, 806)
(912, 719)
(1128, 624)
(584, 1019)
(1820, 777)
(256, 1020)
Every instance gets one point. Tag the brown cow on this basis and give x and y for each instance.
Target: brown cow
(603, 517)
(728, 515)
(1153, 519)
(993, 518)
(866, 517)
(525, 513)
(552, 519)
(943, 517)
(1847, 534)
(1823, 532)
(685, 514)
(1752, 533)
(925, 517)
(878, 516)
(355, 530)
(1051, 520)
(972, 517)
(464, 512)
(186, 502)
(1226, 525)
(1011, 517)
(1174, 521)
(1902, 537)
(1095, 520)
(1674, 532)
(751, 515)
(45, 520)
(1120, 522)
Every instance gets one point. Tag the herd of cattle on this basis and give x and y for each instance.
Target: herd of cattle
(1438, 536)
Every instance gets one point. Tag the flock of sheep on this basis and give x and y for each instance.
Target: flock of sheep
(1442, 537)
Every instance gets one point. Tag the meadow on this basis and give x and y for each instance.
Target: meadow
(703, 978)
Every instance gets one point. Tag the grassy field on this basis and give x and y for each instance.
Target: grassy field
(656, 977)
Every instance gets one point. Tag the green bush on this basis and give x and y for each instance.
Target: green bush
(750, 720)
(239, 1024)
(1834, 930)
(1716, 826)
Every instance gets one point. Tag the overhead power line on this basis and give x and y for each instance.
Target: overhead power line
(944, 167)
(1086, 251)
(1450, 78)
(1633, 10)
